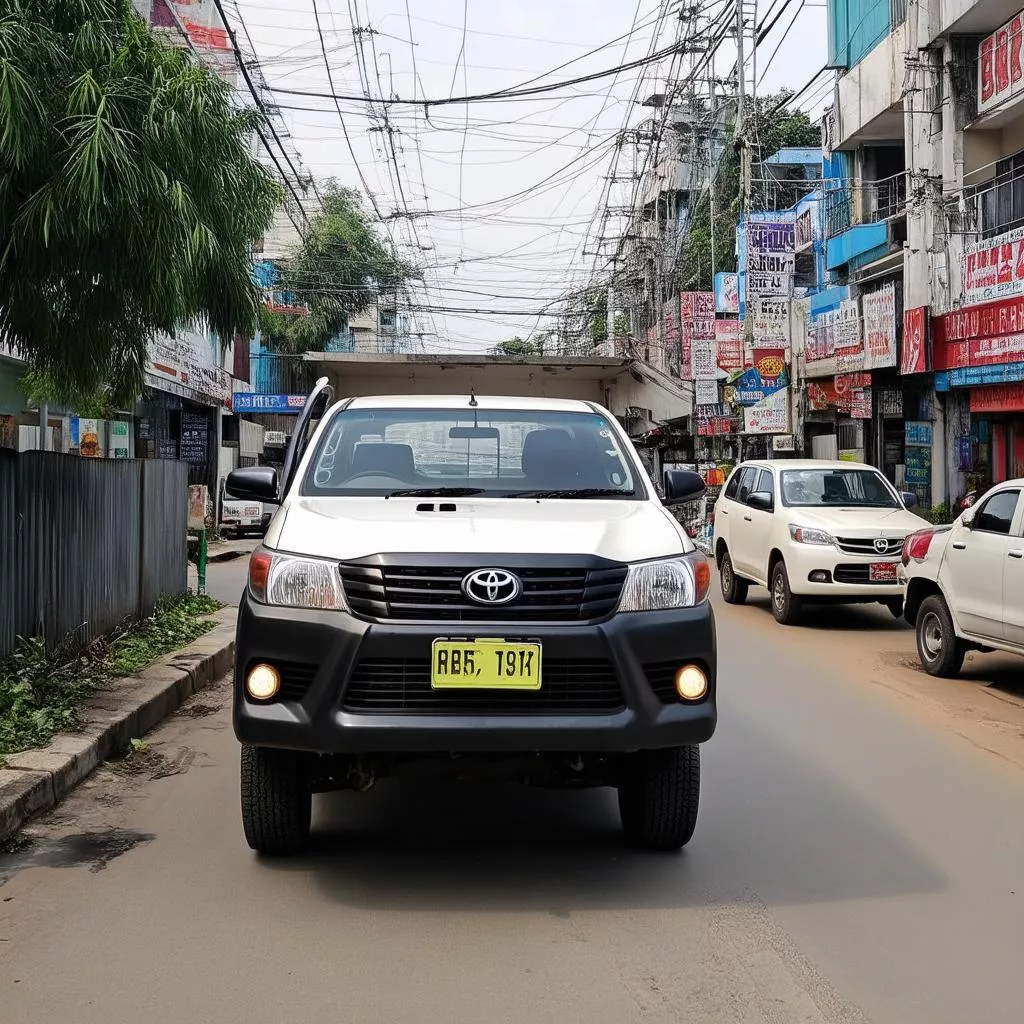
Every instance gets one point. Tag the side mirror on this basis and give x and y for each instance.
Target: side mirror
(967, 519)
(254, 483)
(763, 500)
(909, 499)
(683, 485)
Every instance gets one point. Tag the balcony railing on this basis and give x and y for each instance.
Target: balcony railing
(996, 206)
(897, 12)
(865, 202)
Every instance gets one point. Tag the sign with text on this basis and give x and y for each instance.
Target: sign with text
(984, 335)
(994, 268)
(835, 331)
(770, 416)
(914, 356)
(705, 392)
(917, 466)
(771, 259)
(770, 320)
(704, 365)
(1001, 398)
(879, 309)
(729, 345)
(247, 401)
(1000, 67)
(917, 432)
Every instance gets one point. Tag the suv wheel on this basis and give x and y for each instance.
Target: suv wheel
(785, 604)
(734, 589)
(941, 653)
(659, 796)
(277, 801)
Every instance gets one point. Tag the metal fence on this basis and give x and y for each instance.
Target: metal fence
(87, 543)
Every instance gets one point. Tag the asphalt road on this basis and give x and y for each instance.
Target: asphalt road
(859, 857)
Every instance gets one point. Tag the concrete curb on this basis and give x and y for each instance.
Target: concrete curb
(36, 781)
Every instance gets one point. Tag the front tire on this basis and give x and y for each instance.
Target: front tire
(734, 589)
(940, 650)
(277, 801)
(786, 605)
(659, 797)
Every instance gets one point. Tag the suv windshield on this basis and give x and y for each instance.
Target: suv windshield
(863, 488)
(462, 452)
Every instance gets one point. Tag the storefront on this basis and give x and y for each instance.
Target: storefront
(979, 353)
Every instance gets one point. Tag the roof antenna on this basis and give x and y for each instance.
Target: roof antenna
(472, 399)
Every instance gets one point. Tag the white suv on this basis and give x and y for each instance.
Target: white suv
(812, 531)
(965, 582)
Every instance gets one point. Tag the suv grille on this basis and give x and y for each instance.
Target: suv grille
(866, 546)
(394, 685)
(435, 593)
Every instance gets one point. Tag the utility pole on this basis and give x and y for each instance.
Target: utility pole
(610, 333)
(741, 113)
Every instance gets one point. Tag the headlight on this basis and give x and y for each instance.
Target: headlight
(673, 583)
(809, 535)
(295, 582)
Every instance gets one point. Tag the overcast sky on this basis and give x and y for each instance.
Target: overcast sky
(512, 187)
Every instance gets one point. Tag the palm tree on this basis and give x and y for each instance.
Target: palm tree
(129, 195)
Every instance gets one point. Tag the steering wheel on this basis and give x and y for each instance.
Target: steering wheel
(375, 474)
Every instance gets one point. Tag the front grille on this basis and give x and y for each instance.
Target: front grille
(434, 593)
(857, 574)
(662, 677)
(866, 546)
(396, 685)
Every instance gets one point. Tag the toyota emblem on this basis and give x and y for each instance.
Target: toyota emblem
(492, 586)
(881, 545)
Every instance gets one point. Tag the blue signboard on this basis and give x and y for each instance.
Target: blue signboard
(917, 462)
(288, 405)
(973, 376)
(918, 432)
(752, 388)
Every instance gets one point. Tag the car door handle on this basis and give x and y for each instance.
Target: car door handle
(959, 545)
(748, 519)
(723, 512)
(1017, 554)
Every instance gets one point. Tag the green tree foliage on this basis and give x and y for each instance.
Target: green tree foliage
(767, 130)
(129, 198)
(340, 268)
(517, 347)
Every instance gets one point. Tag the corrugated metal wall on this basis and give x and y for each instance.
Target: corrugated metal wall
(86, 543)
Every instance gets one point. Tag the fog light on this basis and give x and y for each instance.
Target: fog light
(820, 576)
(262, 682)
(691, 682)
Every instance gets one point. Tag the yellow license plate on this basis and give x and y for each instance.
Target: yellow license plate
(484, 665)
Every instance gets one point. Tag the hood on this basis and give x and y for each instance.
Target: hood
(350, 528)
(858, 522)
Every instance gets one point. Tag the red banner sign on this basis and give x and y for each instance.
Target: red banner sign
(1000, 71)
(729, 343)
(998, 398)
(914, 356)
(979, 335)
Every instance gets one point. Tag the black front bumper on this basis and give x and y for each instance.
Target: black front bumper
(324, 655)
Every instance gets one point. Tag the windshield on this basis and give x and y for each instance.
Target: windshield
(463, 452)
(863, 488)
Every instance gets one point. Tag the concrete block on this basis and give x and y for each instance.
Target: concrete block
(22, 794)
(65, 767)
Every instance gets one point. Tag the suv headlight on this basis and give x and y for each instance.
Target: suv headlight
(811, 535)
(293, 582)
(669, 583)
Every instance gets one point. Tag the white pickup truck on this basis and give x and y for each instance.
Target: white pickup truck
(241, 517)
(965, 582)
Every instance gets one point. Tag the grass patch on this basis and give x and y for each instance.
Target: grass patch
(40, 691)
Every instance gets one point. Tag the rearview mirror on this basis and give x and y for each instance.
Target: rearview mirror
(763, 500)
(254, 483)
(909, 499)
(967, 519)
(683, 485)
(474, 433)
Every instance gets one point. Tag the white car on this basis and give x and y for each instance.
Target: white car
(965, 582)
(812, 531)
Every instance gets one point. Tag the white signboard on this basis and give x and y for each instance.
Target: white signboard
(783, 443)
(769, 320)
(706, 392)
(993, 269)
(769, 416)
(879, 310)
(705, 365)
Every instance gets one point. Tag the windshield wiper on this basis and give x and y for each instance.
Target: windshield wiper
(579, 492)
(436, 492)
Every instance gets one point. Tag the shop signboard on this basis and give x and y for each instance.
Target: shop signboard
(835, 333)
(729, 345)
(917, 432)
(770, 320)
(783, 443)
(715, 426)
(914, 357)
(917, 466)
(851, 382)
(248, 401)
(727, 293)
(89, 444)
(860, 404)
(994, 268)
(119, 439)
(1001, 398)
(670, 352)
(879, 308)
(705, 392)
(1000, 66)
(195, 433)
(766, 377)
(771, 259)
(697, 305)
(770, 416)
(705, 366)
(274, 438)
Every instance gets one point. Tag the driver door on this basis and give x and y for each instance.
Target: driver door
(750, 552)
(316, 405)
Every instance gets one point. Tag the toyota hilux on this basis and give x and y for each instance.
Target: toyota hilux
(479, 582)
